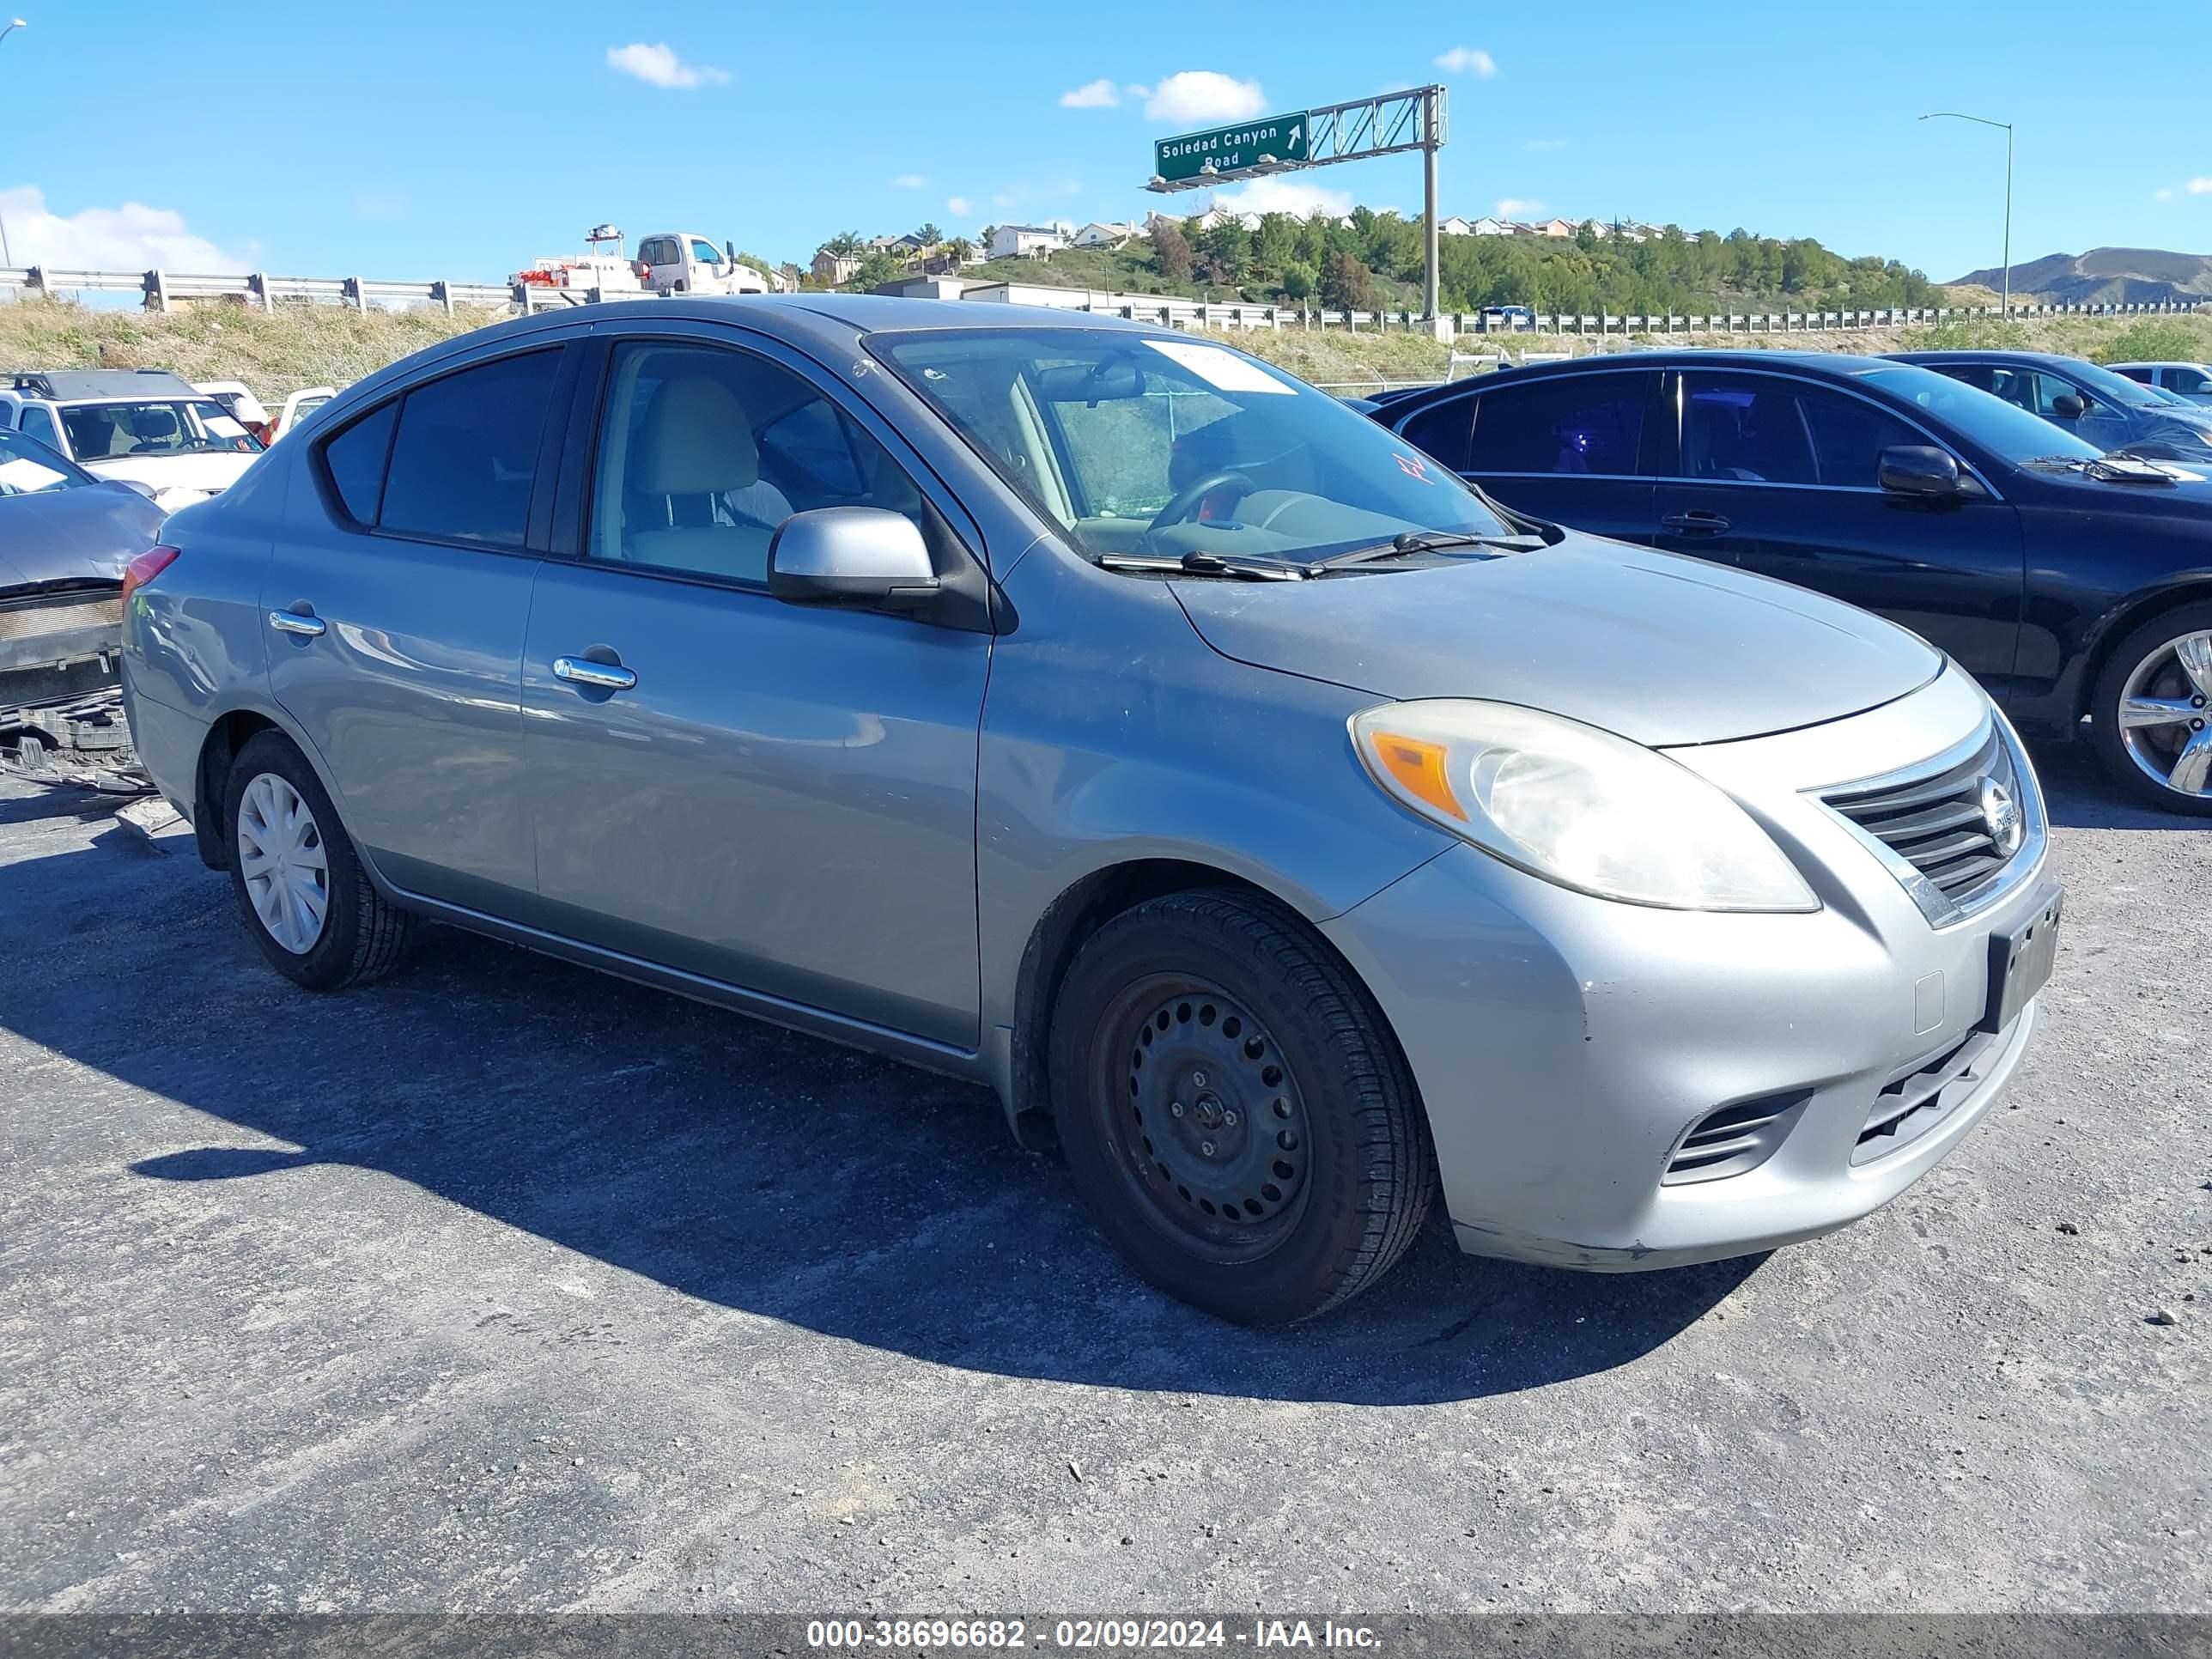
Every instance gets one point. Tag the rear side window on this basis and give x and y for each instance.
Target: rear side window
(1577, 423)
(465, 452)
(1443, 429)
(354, 460)
(2143, 374)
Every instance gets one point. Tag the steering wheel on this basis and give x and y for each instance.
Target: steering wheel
(1186, 500)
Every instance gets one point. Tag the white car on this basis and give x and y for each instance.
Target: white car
(2192, 381)
(144, 427)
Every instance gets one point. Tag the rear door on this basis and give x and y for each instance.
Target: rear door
(1579, 449)
(395, 606)
(770, 796)
(1779, 475)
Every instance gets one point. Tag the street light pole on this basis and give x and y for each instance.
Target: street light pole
(7, 255)
(1983, 120)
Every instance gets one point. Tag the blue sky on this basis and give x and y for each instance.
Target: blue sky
(410, 141)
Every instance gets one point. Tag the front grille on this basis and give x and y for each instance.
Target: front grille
(1908, 1107)
(1936, 824)
(1732, 1140)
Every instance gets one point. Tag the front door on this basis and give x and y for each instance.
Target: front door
(395, 605)
(774, 797)
(1572, 448)
(1778, 476)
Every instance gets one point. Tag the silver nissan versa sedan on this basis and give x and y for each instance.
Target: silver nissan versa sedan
(1097, 713)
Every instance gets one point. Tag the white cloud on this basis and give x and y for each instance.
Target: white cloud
(1284, 193)
(910, 181)
(1195, 95)
(1467, 60)
(1514, 208)
(658, 66)
(959, 205)
(1542, 146)
(2199, 186)
(132, 237)
(1101, 94)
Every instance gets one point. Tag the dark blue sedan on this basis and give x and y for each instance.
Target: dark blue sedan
(2073, 584)
(2095, 404)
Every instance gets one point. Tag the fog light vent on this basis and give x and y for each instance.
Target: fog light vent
(1732, 1140)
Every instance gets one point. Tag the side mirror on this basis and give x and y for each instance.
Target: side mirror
(2068, 406)
(864, 556)
(1920, 469)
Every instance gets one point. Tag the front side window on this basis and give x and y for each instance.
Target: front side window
(30, 468)
(1131, 442)
(99, 431)
(706, 253)
(2147, 376)
(1569, 423)
(704, 452)
(38, 424)
(2190, 382)
(464, 454)
(1765, 428)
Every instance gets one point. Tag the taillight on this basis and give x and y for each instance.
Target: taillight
(147, 566)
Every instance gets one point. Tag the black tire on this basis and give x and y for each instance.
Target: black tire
(1320, 1171)
(362, 936)
(2154, 639)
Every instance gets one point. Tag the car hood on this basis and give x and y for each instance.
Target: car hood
(1659, 649)
(74, 535)
(207, 472)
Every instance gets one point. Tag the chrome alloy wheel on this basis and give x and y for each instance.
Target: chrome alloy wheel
(1213, 1125)
(2165, 714)
(281, 856)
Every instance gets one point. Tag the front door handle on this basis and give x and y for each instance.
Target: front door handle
(1697, 523)
(600, 676)
(302, 622)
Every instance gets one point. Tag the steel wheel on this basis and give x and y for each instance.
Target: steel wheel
(1215, 1124)
(2164, 722)
(283, 860)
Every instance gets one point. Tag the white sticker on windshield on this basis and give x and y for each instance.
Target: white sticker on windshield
(28, 476)
(1224, 370)
(224, 427)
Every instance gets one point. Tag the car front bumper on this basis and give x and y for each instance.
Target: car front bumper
(1565, 1046)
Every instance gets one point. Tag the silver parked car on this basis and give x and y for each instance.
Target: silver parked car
(1097, 713)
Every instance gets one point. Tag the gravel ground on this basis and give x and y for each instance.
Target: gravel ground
(505, 1285)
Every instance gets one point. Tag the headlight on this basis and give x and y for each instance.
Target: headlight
(1577, 806)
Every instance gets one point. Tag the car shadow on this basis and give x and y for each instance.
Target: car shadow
(2079, 794)
(733, 1162)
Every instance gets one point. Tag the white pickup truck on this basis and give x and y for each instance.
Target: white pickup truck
(684, 262)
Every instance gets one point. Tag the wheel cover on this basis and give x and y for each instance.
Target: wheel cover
(281, 857)
(2165, 722)
(1209, 1120)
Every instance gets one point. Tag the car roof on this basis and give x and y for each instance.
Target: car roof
(2161, 362)
(2047, 359)
(1832, 362)
(90, 384)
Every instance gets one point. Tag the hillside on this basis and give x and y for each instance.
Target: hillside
(2106, 276)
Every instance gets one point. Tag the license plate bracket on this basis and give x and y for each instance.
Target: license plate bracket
(2020, 962)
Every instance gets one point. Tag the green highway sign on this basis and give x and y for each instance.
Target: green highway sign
(1270, 141)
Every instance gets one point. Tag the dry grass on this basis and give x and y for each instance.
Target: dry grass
(279, 351)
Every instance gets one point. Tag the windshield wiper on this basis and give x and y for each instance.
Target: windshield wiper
(1199, 563)
(1421, 541)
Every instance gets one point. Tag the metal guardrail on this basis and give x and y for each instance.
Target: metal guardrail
(163, 289)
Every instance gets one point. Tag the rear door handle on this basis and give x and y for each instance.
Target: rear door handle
(304, 622)
(600, 675)
(1700, 523)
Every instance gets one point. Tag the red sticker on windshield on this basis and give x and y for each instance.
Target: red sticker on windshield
(1412, 467)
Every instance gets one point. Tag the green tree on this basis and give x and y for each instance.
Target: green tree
(845, 244)
(1227, 247)
(961, 249)
(929, 236)
(1300, 280)
(875, 269)
(1274, 245)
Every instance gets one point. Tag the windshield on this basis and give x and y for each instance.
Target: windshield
(27, 467)
(2006, 430)
(1137, 444)
(106, 432)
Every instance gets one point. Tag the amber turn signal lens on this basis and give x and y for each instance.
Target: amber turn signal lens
(1417, 768)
